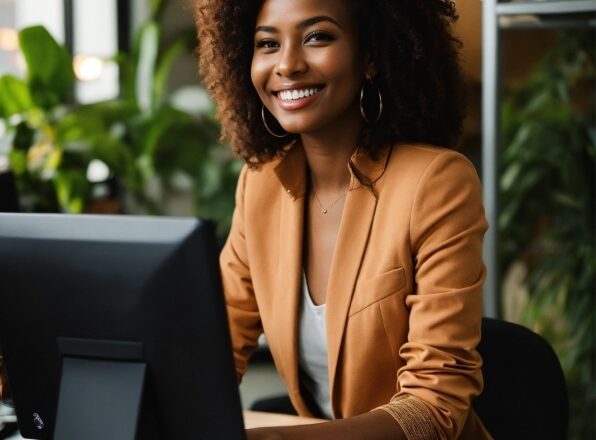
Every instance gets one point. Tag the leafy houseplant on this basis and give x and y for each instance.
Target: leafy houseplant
(547, 215)
(141, 136)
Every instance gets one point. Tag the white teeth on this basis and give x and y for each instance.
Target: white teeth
(291, 95)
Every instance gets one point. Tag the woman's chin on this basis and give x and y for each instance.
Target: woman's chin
(298, 128)
(293, 129)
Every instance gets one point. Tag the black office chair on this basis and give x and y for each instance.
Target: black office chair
(525, 395)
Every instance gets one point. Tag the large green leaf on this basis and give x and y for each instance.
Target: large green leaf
(157, 8)
(72, 190)
(14, 96)
(110, 112)
(147, 57)
(89, 135)
(163, 71)
(51, 77)
(172, 140)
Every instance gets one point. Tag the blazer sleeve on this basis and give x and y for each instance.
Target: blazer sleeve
(442, 367)
(241, 305)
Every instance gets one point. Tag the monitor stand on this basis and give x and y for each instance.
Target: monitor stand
(100, 391)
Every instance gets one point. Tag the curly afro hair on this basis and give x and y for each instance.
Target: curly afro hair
(412, 47)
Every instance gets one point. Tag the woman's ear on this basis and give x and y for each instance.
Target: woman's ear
(370, 69)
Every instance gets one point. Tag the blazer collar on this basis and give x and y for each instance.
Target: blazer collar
(290, 169)
(365, 170)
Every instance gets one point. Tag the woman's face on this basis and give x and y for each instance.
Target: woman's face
(307, 66)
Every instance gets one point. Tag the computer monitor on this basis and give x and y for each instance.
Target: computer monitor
(114, 327)
(8, 193)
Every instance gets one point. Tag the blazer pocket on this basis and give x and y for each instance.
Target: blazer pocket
(375, 289)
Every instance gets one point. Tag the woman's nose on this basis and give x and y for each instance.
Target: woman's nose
(291, 62)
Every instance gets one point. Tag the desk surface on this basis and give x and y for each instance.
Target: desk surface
(254, 419)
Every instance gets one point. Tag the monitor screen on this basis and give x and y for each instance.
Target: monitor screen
(115, 327)
(8, 193)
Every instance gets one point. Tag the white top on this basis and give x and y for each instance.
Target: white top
(312, 351)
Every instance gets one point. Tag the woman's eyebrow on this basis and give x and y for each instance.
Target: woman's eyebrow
(302, 25)
(319, 18)
(269, 29)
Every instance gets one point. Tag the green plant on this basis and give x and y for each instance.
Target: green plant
(142, 137)
(547, 216)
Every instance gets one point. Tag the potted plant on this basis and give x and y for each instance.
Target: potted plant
(547, 213)
(141, 139)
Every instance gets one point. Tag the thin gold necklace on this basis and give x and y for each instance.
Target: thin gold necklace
(331, 205)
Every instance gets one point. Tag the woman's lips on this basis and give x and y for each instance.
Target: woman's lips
(296, 104)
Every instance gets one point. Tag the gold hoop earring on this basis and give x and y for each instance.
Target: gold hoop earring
(279, 136)
(371, 83)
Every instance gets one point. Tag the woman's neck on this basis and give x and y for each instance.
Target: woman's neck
(328, 168)
(328, 156)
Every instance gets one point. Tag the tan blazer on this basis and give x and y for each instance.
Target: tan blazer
(404, 302)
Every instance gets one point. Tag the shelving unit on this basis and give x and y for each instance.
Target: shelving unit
(544, 7)
(554, 14)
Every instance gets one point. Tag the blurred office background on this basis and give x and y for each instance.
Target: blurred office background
(102, 111)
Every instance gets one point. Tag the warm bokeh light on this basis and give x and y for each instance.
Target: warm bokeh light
(88, 68)
(9, 39)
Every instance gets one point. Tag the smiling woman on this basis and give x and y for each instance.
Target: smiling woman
(356, 243)
(411, 43)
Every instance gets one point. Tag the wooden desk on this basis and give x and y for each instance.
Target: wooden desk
(255, 419)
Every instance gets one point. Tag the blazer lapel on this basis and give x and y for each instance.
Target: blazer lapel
(352, 239)
(291, 171)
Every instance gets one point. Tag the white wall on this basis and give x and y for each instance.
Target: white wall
(49, 13)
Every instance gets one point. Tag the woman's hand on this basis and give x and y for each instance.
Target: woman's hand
(375, 425)
(264, 434)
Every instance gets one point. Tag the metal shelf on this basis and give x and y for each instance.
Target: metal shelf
(558, 21)
(545, 7)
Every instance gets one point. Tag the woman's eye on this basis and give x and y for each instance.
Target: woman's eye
(266, 44)
(318, 36)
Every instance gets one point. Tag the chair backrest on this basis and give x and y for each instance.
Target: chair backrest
(525, 395)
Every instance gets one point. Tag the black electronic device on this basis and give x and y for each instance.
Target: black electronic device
(114, 327)
(8, 193)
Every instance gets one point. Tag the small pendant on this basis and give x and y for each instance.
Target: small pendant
(324, 211)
